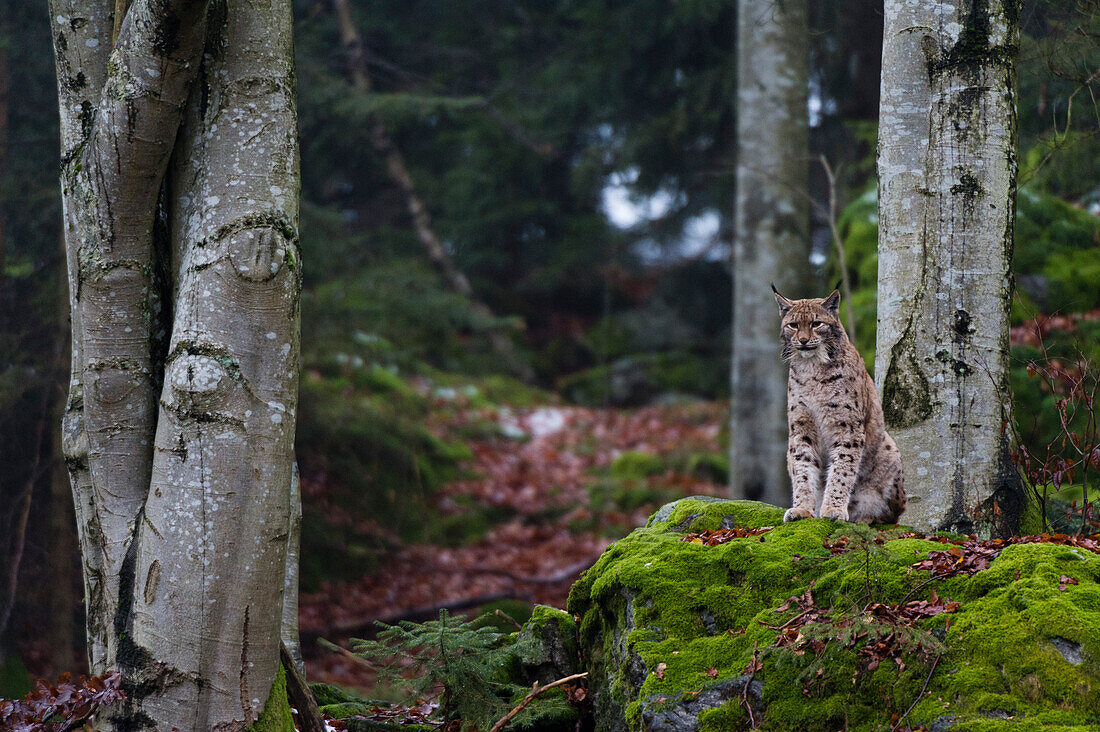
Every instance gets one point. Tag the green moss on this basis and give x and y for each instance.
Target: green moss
(632, 465)
(713, 512)
(340, 704)
(506, 390)
(343, 710)
(652, 599)
(731, 715)
(276, 714)
(325, 694)
(547, 645)
(544, 617)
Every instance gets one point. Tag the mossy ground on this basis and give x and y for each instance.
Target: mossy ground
(696, 608)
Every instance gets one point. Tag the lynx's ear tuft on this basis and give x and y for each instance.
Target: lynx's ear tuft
(784, 303)
(832, 302)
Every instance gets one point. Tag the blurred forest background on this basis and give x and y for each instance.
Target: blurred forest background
(516, 226)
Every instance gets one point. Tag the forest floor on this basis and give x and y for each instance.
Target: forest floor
(565, 482)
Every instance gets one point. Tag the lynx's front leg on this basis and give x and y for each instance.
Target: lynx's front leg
(803, 464)
(841, 479)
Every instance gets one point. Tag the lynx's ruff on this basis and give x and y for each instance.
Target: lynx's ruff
(838, 454)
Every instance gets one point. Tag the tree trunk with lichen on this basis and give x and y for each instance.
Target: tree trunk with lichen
(180, 192)
(771, 244)
(947, 182)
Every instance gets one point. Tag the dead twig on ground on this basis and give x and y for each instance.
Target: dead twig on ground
(745, 691)
(921, 694)
(535, 691)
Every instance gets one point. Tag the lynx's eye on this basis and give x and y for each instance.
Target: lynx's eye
(817, 324)
(792, 326)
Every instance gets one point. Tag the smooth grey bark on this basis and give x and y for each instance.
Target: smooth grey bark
(947, 177)
(184, 297)
(289, 631)
(771, 244)
(117, 133)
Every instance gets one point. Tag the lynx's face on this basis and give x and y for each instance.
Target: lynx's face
(810, 329)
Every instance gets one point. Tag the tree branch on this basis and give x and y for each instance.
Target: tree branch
(499, 726)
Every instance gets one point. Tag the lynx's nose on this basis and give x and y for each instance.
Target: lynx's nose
(803, 341)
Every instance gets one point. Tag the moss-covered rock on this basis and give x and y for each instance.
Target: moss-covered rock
(668, 630)
(548, 645)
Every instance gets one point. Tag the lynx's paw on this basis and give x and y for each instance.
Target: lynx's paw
(794, 514)
(834, 513)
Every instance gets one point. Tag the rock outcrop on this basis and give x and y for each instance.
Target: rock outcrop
(816, 625)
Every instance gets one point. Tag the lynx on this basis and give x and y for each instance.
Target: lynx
(838, 455)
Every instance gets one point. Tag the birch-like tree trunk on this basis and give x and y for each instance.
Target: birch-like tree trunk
(180, 191)
(947, 179)
(771, 243)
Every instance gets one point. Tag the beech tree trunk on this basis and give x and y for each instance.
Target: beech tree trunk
(947, 180)
(180, 190)
(771, 244)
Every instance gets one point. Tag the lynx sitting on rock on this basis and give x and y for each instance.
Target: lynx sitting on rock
(838, 453)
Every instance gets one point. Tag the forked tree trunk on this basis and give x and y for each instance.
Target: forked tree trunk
(947, 176)
(180, 181)
(771, 244)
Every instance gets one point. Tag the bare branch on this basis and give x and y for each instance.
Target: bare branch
(499, 726)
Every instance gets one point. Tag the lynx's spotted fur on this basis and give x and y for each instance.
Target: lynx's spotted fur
(838, 454)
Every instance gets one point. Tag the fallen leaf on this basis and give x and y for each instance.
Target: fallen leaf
(1066, 580)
